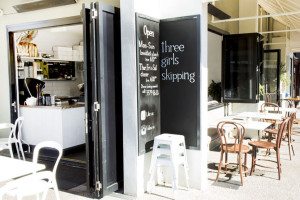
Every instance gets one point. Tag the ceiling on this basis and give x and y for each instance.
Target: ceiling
(7, 6)
(283, 6)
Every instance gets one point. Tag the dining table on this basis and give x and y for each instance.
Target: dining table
(292, 101)
(11, 168)
(247, 123)
(261, 115)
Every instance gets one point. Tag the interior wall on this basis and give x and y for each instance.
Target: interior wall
(34, 16)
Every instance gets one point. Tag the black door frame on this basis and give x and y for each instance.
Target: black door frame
(104, 97)
(278, 51)
(11, 29)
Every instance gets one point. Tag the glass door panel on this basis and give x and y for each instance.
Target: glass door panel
(270, 79)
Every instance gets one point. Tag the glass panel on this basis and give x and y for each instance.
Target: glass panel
(270, 74)
(238, 70)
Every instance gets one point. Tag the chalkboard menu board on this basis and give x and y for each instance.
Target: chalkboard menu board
(180, 83)
(148, 81)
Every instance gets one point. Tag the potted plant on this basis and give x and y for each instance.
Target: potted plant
(214, 90)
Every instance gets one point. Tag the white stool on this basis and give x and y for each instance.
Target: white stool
(168, 150)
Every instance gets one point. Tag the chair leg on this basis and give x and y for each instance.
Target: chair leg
(21, 149)
(289, 146)
(55, 188)
(226, 160)
(220, 165)
(241, 168)
(253, 160)
(278, 163)
(245, 163)
(17, 148)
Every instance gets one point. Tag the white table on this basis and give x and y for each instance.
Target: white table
(248, 125)
(259, 115)
(12, 168)
(281, 109)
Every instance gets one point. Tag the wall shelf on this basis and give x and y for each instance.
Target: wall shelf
(49, 59)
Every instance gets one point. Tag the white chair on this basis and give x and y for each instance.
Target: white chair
(14, 138)
(37, 182)
(168, 150)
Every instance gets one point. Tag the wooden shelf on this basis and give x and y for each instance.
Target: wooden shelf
(49, 59)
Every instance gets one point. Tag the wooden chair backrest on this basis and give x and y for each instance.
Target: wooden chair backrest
(276, 107)
(239, 137)
(283, 127)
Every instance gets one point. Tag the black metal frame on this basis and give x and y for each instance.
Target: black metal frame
(198, 17)
(11, 29)
(97, 89)
(278, 51)
(256, 57)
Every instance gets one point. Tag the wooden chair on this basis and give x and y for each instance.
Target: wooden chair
(268, 104)
(234, 148)
(287, 133)
(269, 145)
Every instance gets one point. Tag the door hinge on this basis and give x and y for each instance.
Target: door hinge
(257, 69)
(96, 106)
(86, 123)
(98, 186)
(257, 97)
(14, 104)
(94, 13)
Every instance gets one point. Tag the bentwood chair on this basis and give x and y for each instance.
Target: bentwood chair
(268, 146)
(37, 182)
(287, 133)
(233, 148)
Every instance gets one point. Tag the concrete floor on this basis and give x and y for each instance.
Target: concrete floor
(264, 184)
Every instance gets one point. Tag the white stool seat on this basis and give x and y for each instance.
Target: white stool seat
(168, 150)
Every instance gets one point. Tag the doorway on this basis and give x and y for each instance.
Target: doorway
(83, 169)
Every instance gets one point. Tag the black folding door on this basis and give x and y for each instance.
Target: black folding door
(103, 97)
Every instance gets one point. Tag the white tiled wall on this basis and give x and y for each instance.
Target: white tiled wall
(65, 88)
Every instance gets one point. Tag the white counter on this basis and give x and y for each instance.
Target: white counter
(64, 125)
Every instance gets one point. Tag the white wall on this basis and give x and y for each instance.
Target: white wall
(136, 167)
(214, 58)
(40, 15)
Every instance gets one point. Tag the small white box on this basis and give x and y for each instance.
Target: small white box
(78, 47)
(58, 48)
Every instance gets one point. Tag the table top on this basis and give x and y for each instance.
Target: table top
(5, 125)
(12, 168)
(259, 115)
(281, 109)
(249, 125)
(291, 99)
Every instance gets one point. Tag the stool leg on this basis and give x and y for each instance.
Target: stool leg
(186, 177)
(151, 181)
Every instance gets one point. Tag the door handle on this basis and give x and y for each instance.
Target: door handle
(14, 105)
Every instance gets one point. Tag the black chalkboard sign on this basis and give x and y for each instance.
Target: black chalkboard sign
(180, 83)
(148, 73)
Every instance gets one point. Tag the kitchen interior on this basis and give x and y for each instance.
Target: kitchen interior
(49, 69)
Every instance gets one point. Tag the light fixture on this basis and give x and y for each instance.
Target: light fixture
(42, 4)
